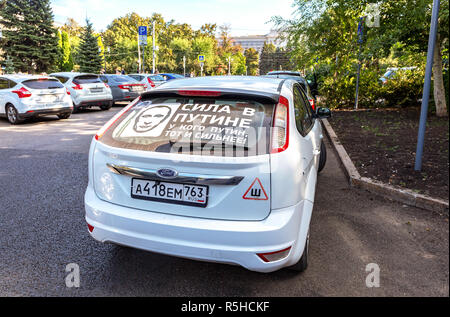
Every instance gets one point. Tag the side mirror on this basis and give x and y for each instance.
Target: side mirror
(323, 113)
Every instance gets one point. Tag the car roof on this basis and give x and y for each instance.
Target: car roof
(245, 84)
(23, 77)
(72, 74)
(284, 72)
(287, 76)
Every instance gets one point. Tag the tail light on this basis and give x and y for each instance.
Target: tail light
(77, 87)
(313, 104)
(67, 91)
(151, 82)
(106, 85)
(22, 93)
(90, 227)
(280, 131)
(145, 87)
(274, 256)
(114, 119)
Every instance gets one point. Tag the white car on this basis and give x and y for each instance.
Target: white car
(86, 90)
(220, 169)
(26, 96)
(150, 80)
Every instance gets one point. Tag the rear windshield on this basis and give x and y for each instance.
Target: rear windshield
(201, 126)
(121, 79)
(42, 84)
(137, 77)
(87, 79)
(156, 78)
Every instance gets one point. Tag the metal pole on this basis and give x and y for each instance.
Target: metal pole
(184, 66)
(154, 47)
(358, 75)
(143, 58)
(139, 54)
(427, 85)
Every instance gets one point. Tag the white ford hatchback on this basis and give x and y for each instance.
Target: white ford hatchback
(220, 169)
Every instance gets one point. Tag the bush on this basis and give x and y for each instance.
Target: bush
(405, 89)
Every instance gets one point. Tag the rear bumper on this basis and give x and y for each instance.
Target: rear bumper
(45, 112)
(232, 242)
(91, 103)
(127, 96)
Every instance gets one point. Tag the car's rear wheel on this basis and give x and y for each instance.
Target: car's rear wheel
(107, 107)
(64, 115)
(75, 108)
(302, 264)
(323, 157)
(12, 114)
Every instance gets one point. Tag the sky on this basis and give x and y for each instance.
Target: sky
(245, 17)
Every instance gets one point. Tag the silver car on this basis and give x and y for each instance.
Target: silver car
(123, 88)
(86, 90)
(27, 96)
(151, 80)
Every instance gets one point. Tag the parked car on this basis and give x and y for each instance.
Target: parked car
(391, 72)
(123, 87)
(27, 96)
(151, 80)
(86, 90)
(219, 169)
(302, 81)
(168, 76)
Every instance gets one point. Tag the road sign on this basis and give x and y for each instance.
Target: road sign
(201, 58)
(142, 30)
(143, 40)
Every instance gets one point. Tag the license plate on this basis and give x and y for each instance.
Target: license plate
(47, 98)
(96, 90)
(172, 193)
(136, 88)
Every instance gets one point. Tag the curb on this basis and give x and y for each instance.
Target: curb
(405, 196)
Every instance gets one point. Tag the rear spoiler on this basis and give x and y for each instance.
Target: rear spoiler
(262, 96)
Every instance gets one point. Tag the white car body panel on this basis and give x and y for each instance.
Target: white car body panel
(85, 95)
(229, 230)
(40, 99)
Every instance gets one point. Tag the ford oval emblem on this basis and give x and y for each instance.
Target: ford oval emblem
(167, 173)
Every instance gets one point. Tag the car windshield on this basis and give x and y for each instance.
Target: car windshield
(185, 125)
(45, 83)
(87, 79)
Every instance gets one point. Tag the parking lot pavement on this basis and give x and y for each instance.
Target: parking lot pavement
(43, 176)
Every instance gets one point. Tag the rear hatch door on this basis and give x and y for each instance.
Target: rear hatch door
(205, 157)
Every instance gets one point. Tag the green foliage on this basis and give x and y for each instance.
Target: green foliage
(323, 35)
(9, 66)
(29, 36)
(252, 61)
(89, 57)
(66, 61)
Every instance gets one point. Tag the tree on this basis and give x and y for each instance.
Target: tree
(31, 40)
(90, 60)
(9, 66)
(252, 61)
(66, 61)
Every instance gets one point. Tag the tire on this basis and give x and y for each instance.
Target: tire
(75, 108)
(323, 157)
(107, 107)
(302, 264)
(12, 115)
(64, 116)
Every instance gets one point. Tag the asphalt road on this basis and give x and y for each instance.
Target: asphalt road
(43, 176)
